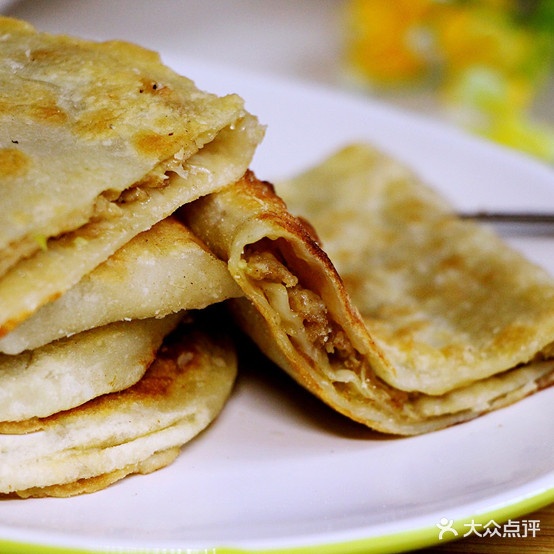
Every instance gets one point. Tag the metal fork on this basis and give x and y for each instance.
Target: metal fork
(518, 223)
(525, 218)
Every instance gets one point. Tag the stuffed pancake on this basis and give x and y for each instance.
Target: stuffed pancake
(390, 364)
(161, 271)
(136, 430)
(71, 371)
(98, 142)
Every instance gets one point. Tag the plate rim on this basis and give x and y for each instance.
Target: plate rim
(386, 543)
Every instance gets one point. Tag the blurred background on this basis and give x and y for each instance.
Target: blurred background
(484, 65)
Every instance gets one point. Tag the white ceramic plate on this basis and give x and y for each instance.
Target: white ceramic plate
(278, 471)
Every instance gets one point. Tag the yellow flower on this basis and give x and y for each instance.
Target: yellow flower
(382, 40)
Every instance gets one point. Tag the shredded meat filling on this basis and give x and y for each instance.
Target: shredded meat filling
(312, 311)
(264, 266)
(348, 369)
(306, 304)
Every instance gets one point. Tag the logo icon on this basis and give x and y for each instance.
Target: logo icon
(446, 525)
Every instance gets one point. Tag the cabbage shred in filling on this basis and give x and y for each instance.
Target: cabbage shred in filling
(303, 315)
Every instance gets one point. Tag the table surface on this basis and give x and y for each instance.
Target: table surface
(302, 42)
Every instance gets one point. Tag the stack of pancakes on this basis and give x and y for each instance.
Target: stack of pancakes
(104, 370)
(129, 211)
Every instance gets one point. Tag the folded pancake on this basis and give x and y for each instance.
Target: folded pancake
(98, 142)
(161, 271)
(73, 370)
(445, 299)
(137, 430)
(432, 367)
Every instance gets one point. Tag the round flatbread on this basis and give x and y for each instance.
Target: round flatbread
(136, 430)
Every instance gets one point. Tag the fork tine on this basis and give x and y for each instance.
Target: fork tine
(527, 218)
